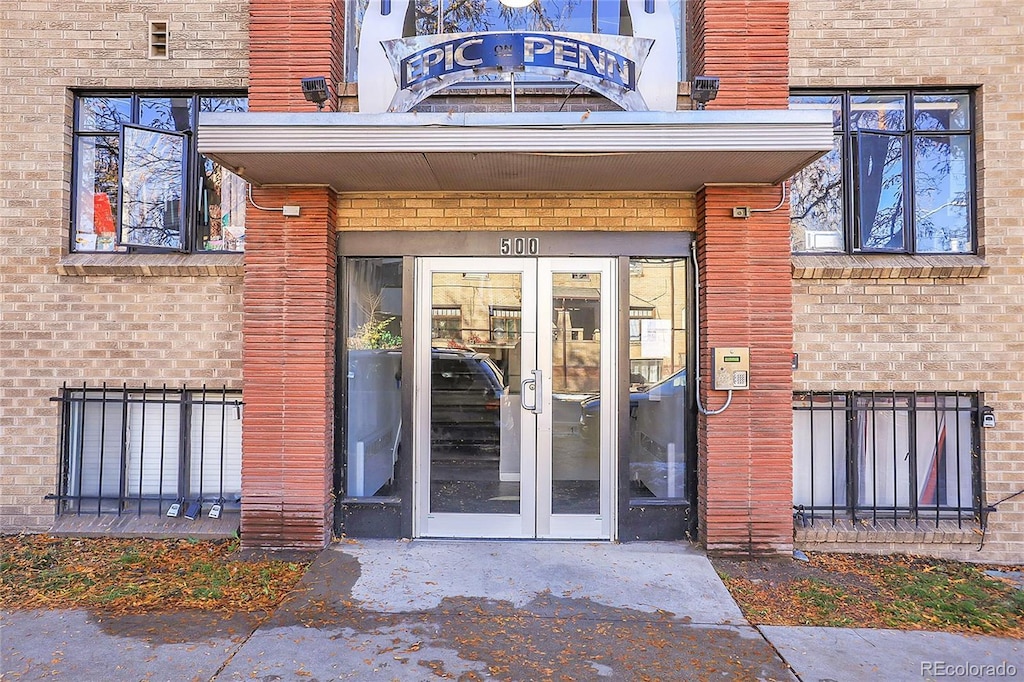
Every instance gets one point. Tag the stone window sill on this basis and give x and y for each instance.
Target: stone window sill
(129, 524)
(885, 266)
(153, 264)
(888, 532)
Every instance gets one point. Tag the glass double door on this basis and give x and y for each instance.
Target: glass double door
(514, 397)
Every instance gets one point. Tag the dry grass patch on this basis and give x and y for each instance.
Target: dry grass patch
(138, 575)
(851, 590)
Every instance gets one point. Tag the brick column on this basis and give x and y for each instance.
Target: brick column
(746, 44)
(745, 454)
(290, 40)
(288, 366)
(289, 298)
(745, 486)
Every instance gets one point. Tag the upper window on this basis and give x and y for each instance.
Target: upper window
(446, 323)
(636, 322)
(899, 178)
(141, 185)
(506, 324)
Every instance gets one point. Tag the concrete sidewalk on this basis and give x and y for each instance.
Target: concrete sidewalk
(385, 610)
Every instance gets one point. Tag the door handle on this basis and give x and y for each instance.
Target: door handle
(536, 383)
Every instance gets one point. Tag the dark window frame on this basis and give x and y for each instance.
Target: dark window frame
(191, 240)
(846, 419)
(850, 166)
(173, 413)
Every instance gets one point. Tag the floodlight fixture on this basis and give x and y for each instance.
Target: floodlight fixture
(703, 89)
(316, 90)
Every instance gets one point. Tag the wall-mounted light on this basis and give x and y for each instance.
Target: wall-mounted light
(316, 90)
(517, 4)
(703, 89)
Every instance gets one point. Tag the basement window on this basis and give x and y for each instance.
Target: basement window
(142, 450)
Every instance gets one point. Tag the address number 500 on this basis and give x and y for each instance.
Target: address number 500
(519, 246)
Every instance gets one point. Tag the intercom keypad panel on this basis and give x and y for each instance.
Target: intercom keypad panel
(731, 369)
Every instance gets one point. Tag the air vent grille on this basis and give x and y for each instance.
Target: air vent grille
(158, 40)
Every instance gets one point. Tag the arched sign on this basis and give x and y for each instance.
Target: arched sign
(609, 65)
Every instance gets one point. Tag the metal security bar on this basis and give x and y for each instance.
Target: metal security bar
(148, 450)
(887, 455)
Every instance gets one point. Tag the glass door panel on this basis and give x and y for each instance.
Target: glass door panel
(576, 442)
(475, 333)
(514, 396)
(467, 385)
(575, 376)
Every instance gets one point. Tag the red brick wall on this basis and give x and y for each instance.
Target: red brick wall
(288, 368)
(746, 44)
(291, 40)
(289, 298)
(745, 484)
(746, 453)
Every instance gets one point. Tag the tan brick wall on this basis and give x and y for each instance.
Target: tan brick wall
(118, 327)
(527, 212)
(931, 334)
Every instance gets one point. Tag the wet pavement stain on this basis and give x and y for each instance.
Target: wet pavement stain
(180, 627)
(550, 638)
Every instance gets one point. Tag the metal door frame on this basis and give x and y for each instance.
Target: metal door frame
(635, 519)
(535, 519)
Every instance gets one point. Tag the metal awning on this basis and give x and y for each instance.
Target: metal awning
(678, 151)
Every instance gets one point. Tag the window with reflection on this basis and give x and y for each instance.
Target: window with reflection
(141, 185)
(658, 409)
(899, 178)
(506, 324)
(446, 323)
(371, 409)
(429, 17)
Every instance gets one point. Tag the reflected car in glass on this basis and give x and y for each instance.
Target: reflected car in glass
(465, 403)
(673, 386)
(657, 437)
(670, 390)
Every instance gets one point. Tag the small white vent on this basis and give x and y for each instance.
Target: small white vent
(158, 40)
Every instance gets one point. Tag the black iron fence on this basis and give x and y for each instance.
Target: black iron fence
(886, 455)
(169, 451)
